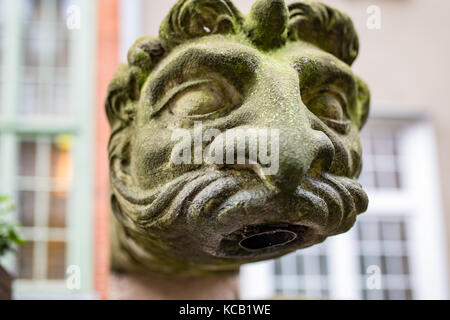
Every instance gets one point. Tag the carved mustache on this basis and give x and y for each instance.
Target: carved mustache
(327, 203)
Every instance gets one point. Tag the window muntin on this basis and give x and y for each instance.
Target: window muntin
(303, 273)
(2, 19)
(394, 235)
(380, 243)
(43, 112)
(44, 182)
(383, 244)
(45, 61)
(380, 153)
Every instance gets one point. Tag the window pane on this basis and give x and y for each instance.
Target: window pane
(32, 45)
(2, 19)
(384, 145)
(56, 263)
(289, 265)
(392, 231)
(387, 180)
(27, 158)
(367, 179)
(60, 95)
(44, 185)
(368, 231)
(382, 244)
(25, 207)
(323, 265)
(58, 204)
(373, 295)
(367, 261)
(45, 61)
(300, 264)
(61, 164)
(395, 265)
(303, 273)
(380, 156)
(25, 260)
(32, 10)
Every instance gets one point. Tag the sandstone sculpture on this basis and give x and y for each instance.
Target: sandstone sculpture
(212, 71)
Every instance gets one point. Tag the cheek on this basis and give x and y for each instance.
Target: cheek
(353, 145)
(150, 154)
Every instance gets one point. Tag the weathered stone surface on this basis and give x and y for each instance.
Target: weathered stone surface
(283, 69)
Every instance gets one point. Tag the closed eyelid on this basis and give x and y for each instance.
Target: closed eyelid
(332, 89)
(329, 75)
(237, 67)
(317, 73)
(174, 91)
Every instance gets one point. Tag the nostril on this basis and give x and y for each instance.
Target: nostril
(324, 156)
(267, 239)
(252, 166)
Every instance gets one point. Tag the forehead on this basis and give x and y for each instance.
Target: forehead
(234, 58)
(217, 49)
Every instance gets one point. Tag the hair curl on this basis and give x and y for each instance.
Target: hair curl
(268, 26)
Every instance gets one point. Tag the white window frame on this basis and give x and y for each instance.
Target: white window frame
(418, 200)
(79, 234)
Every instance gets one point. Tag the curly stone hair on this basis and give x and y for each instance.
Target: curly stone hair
(269, 26)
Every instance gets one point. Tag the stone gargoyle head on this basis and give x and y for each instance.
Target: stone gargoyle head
(235, 138)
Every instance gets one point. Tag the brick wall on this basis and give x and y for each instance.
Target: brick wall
(107, 63)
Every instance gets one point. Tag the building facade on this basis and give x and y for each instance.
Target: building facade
(56, 59)
(47, 121)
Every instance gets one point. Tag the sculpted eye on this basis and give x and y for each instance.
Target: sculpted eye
(330, 107)
(326, 106)
(204, 98)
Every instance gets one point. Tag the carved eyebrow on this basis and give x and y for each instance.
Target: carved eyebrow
(314, 73)
(239, 67)
(333, 71)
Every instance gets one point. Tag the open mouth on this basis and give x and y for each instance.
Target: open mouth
(257, 240)
(267, 239)
(234, 216)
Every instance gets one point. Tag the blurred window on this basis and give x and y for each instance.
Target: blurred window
(386, 255)
(42, 164)
(380, 154)
(303, 273)
(383, 247)
(44, 184)
(2, 18)
(45, 61)
(382, 235)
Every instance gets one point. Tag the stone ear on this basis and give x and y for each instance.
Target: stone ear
(189, 19)
(120, 109)
(121, 93)
(363, 100)
(124, 89)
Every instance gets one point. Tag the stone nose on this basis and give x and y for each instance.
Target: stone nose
(287, 148)
(302, 151)
(282, 152)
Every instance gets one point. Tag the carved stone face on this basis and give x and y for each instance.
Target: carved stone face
(280, 73)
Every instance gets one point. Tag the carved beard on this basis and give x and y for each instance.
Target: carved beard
(232, 214)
